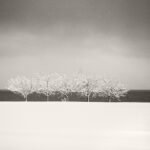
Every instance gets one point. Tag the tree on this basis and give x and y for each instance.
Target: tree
(51, 84)
(86, 85)
(48, 84)
(43, 85)
(21, 85)
(68, 85)
(63, 86)
(58, 85)
(112, 90)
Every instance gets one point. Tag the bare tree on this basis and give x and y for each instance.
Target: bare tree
(68, 85)
(86, 85)
(48, 84)
(43, 85)
(21, 85)
(63, 86)
(112, 90)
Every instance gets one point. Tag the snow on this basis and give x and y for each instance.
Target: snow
(74, 126)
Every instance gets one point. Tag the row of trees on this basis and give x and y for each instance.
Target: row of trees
(83, 85)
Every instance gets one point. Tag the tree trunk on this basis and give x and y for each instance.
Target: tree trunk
(67, 98)
(109, 99)
(88, 98)
(26, 98)
(47, 98)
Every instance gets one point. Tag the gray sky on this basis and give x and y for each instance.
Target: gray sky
(106, 37)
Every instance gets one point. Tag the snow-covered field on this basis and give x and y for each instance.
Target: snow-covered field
(74, 126)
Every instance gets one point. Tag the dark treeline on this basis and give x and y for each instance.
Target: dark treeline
(132, 96)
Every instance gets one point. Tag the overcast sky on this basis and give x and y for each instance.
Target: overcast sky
(103, 37)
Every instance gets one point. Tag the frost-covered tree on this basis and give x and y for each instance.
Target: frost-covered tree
(57, 84)
(51, 84)
(21, 85)
(43, 86)
(64, 87)
(68, 85)
(112, 90)
(86, 85)
(47, 84)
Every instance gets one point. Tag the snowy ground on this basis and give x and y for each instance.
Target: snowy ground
(74, 126)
